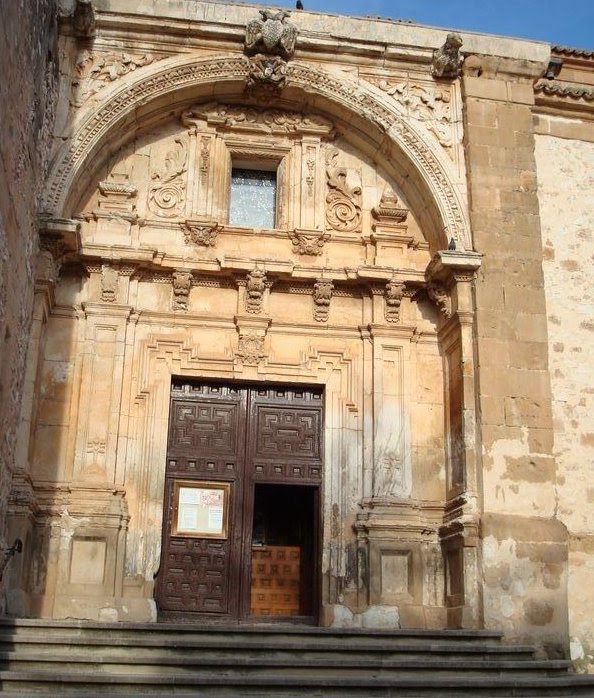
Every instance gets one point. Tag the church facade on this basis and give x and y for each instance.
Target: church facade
(311, 329)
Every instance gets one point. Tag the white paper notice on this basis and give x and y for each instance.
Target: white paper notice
(189, 495)
(188, 518)
(215, 519)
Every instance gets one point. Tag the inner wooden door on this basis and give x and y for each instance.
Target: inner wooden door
(242, 500)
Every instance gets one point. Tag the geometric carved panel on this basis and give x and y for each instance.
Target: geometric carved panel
(195, 576)
(287, 432)
(204, 427)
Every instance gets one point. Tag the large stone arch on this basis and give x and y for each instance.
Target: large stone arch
(368, 117)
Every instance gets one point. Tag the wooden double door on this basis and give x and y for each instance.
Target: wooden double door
(242, 502)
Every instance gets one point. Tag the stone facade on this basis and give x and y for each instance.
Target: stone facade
(29, 94)
(417, 270)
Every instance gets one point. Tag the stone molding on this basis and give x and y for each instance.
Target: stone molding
(162, 79)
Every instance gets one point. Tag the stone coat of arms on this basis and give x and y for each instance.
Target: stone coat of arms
(271, 34)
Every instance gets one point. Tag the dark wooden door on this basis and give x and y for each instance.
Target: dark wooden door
(239, 437)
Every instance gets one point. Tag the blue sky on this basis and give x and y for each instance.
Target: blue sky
(569, 23)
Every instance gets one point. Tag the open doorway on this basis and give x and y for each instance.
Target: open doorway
(284, 551)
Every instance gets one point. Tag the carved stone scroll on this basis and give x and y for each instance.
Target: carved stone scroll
(343, 201)
(322, 295)
(167, 195)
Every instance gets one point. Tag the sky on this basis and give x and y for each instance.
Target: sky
(567, 23)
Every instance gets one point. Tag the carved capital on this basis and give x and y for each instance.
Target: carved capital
(202, 233)
(309, 242)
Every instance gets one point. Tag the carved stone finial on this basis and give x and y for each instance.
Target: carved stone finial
(447, 61)
(182, 284)
(322, 295)
(254, 290)
(271, 34)
(394, 294)
(389, 208)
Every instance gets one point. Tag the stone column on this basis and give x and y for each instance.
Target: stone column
(524, 545)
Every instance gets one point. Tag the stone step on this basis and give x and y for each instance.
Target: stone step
(132, 663)
(299, 684)
(247, 645)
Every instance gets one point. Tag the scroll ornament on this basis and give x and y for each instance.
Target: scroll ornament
(343, 201)
(166, 197)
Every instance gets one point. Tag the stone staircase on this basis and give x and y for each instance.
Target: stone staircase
(78, 658)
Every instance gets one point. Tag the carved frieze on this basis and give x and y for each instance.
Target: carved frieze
(256, 285)
(394, 294)
(202, 233)
(430, 104)
(167, 195)
(109, 283)
(95, 70)
(322, 295)
(309, 242)
(182, 285)
(343, 200)
(447, 61)
(257, 120)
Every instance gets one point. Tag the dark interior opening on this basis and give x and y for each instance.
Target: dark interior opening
(283, 550)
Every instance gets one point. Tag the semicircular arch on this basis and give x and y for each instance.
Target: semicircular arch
(361, 114)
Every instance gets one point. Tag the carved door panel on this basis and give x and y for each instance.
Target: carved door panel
(235, 437)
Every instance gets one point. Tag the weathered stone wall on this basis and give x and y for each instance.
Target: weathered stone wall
(28, 95)
(524, 544)
(566, 180)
